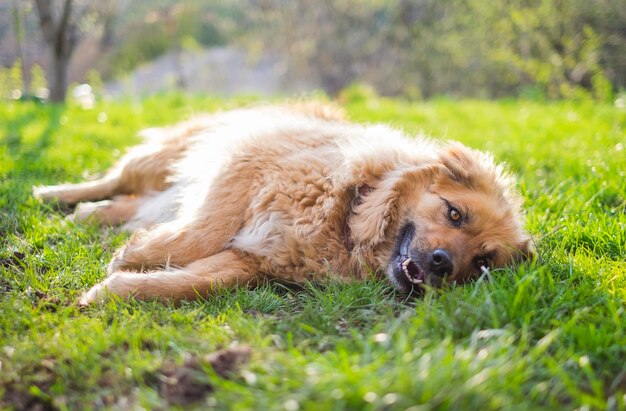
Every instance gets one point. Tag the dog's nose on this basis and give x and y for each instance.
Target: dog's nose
(441, 263)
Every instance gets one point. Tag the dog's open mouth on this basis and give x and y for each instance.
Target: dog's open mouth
(405, 272)
(412, 271)
(410, 268)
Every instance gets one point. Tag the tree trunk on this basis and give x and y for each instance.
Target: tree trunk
(58, 88)
(61, 35)
(18, 24)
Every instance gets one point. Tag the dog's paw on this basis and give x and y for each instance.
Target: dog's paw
(85, 211)
(44, 193)
(130, 257)
(117, 262)
(117, 285)
(96, 294)
(61, 193)
(120, 261)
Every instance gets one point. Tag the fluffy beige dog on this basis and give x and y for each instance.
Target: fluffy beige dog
(296, 193)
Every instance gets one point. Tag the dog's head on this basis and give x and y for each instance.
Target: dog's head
(445, 221)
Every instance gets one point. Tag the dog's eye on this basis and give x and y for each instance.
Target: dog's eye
(454, 216)
(482, 264)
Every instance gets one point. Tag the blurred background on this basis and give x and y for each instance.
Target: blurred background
(415, 49)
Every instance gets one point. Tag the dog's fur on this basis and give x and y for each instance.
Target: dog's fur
(295, 193)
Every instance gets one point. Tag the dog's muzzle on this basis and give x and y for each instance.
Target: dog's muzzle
(408, 268)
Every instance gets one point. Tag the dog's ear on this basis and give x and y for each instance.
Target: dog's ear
(460, 162)
(472, 168)
(476, 170)
(379, 208)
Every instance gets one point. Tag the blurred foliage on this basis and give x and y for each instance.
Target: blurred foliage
(38, 80)
(560, 48)
(12, 82)
(185, 25)
(357, 93)
(412, 48)
(95, 81)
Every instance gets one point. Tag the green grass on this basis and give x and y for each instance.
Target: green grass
(551, 335)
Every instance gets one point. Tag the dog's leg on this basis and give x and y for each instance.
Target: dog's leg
(208, 233)
(226, 269)
(144, 168)
(108, 212)
(73, 193)
(170, 244)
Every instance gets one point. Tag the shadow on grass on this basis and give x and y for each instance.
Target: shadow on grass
(27, 156)
(14, 131)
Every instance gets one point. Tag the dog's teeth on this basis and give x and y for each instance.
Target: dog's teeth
(405, 268)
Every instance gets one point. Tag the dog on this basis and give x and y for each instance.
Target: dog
(297, 193)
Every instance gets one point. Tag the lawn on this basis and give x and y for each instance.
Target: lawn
(547, 335)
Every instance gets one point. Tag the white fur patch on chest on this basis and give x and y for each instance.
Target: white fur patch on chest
(261, 236)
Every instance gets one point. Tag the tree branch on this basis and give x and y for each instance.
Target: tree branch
(46, 21)
(63, 23)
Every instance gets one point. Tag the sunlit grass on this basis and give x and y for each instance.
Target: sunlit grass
(547, 335)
